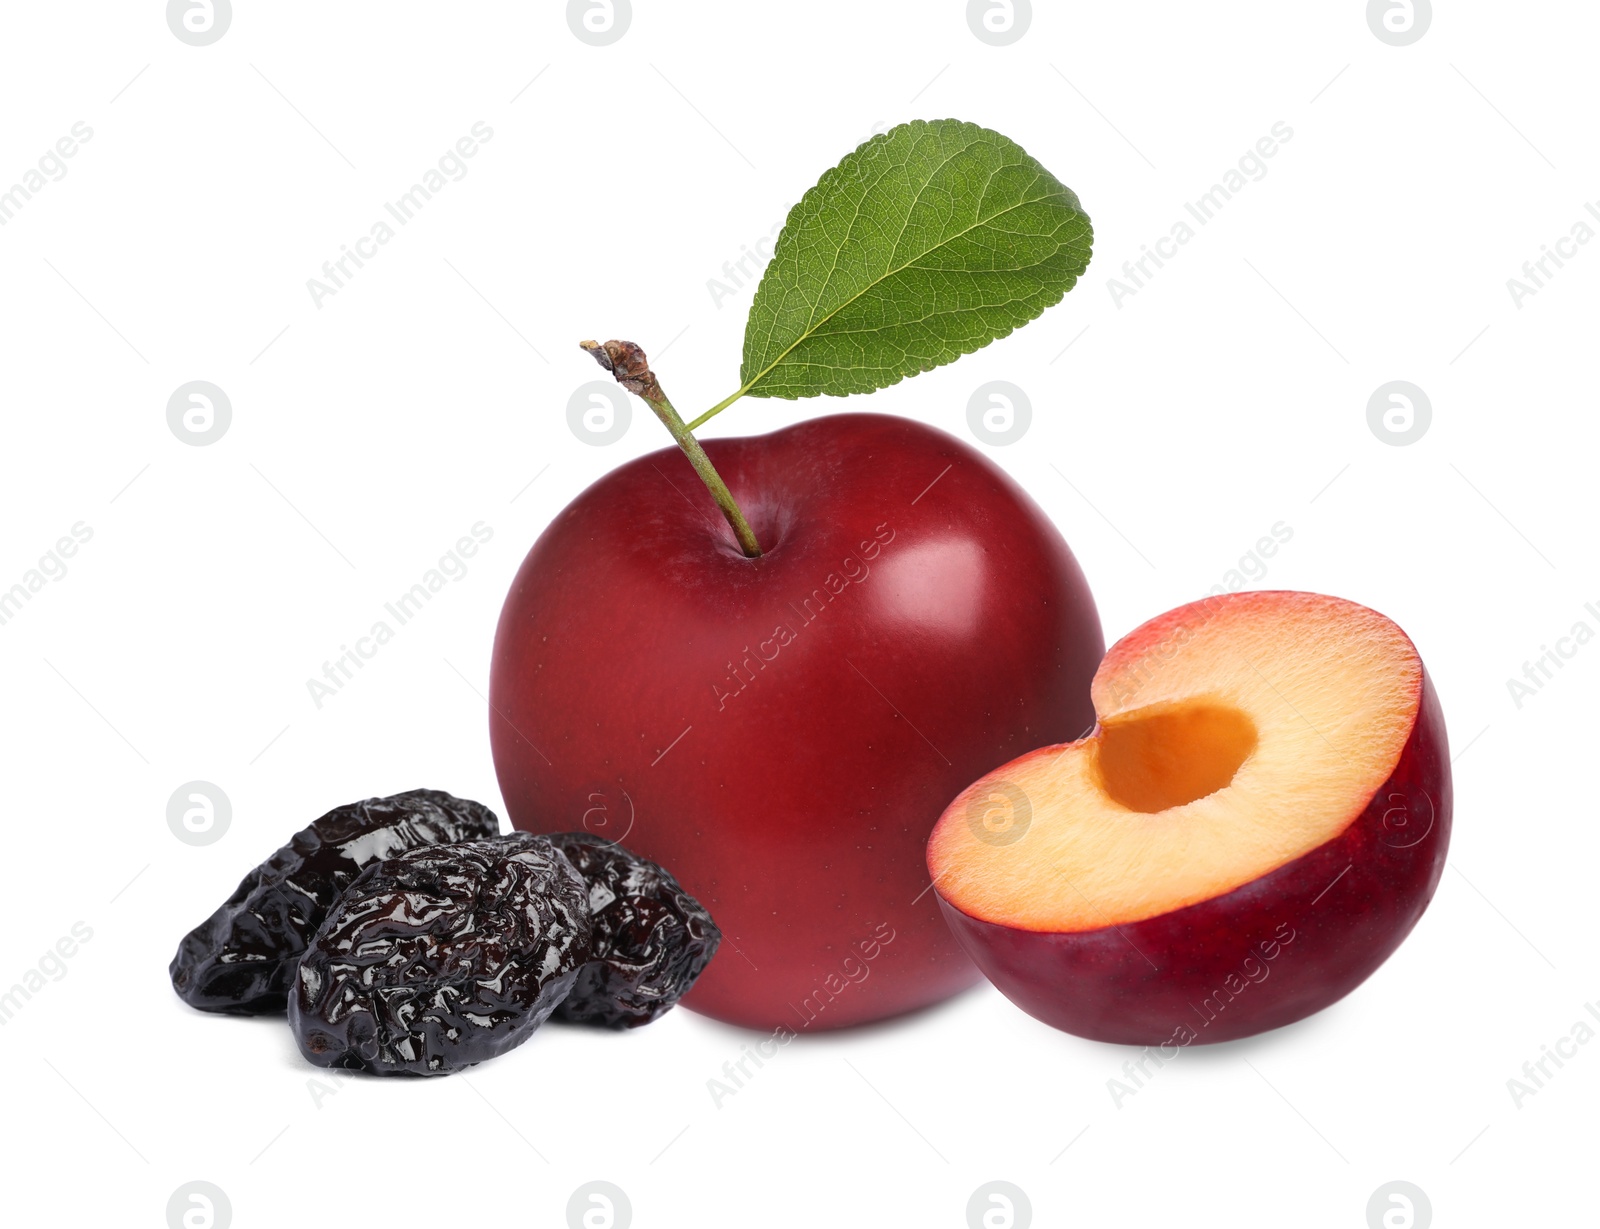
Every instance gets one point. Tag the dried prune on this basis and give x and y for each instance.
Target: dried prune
(442, 957)
(651, 938)
(241, 959)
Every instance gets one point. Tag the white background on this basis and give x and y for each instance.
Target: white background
(370, 433)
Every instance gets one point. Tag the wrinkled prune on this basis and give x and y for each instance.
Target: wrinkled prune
(241, 959)
(651, 938)
(442, 957)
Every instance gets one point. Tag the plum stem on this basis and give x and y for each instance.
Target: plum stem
(627, 362)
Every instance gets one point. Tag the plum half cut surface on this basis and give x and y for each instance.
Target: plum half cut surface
(241, 959)
(1257, 821)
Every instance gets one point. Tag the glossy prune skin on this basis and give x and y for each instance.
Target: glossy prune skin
(651, 938)
(241, 959)
(442, 957)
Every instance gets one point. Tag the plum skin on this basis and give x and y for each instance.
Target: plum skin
(1176, 978)
(797, 809)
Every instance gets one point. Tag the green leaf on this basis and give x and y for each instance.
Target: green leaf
(927, 243)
